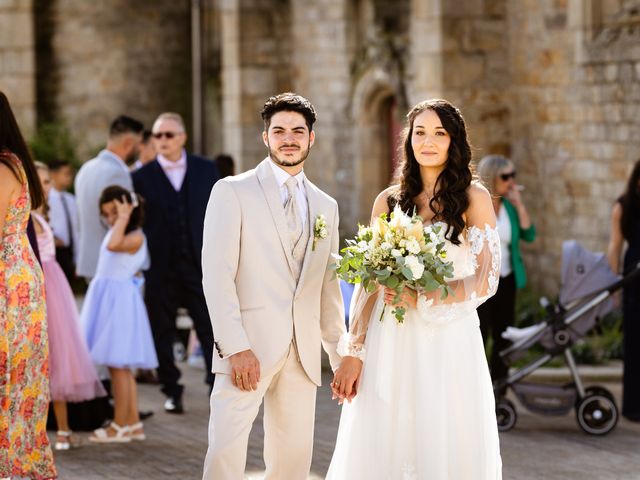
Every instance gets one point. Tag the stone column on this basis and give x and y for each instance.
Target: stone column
(17, 61)
(255, 55)
(476, 70)
(321, 59)
(231, 88)
(426, 66)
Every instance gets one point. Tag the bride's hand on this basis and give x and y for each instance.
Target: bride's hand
(409, 297)
(345, 379)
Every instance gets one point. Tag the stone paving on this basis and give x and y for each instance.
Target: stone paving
(549, 448)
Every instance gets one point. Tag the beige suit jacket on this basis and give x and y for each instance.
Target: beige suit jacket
(253, 298)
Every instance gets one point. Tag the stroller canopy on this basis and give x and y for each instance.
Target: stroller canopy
(583, 272)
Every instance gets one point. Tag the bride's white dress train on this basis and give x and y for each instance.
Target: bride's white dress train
(425, 407)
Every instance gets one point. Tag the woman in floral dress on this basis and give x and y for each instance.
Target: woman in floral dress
(24, 361)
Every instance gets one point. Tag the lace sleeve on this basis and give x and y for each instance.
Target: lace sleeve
(351, 343)
(481, 282)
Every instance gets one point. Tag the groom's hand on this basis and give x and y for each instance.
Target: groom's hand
(245, 370)
(346, 378)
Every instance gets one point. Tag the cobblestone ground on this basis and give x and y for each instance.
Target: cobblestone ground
(550, 448)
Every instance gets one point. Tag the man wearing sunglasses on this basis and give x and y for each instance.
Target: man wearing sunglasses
(176, 188)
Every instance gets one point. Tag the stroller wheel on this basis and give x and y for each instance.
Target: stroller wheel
(597, 414)
(506, 415)
(597, 390)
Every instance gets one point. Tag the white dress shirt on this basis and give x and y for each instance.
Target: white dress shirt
(137, 165)
(301, 191)
(64, 227)
(175, 171)
(503, 224)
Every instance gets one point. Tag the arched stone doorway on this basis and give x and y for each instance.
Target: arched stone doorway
(377, 128)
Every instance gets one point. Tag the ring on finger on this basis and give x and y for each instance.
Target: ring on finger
(238, 376)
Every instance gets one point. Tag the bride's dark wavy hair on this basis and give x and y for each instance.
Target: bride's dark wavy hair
(450, 199)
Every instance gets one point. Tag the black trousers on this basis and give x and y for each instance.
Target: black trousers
(496, 314)
(631, 342)
(163, 297)
(64, 257)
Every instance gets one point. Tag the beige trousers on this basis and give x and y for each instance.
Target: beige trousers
(289, 411)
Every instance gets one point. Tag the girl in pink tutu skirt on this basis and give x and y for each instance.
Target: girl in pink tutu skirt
(72, 376)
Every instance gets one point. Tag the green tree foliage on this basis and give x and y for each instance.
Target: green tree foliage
(53, 141)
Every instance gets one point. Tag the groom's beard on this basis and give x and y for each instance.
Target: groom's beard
(288, 163)
(132, 157)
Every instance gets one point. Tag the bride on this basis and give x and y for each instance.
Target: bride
(420, 403)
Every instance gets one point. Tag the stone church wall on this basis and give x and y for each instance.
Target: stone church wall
(575, 123)
(99, 59)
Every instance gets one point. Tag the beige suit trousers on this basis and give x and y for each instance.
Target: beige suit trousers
(289, 411)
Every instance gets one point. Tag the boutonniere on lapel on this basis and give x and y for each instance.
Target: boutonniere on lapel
(319, 230)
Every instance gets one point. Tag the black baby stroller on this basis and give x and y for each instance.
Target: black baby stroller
(585, 296)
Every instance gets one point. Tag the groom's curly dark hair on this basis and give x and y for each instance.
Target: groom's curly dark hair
(450, 199)
(288, 102)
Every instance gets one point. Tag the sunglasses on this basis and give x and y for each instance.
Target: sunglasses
(507, 176)
(168, 135)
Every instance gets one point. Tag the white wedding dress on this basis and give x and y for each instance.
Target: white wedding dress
(425, 405)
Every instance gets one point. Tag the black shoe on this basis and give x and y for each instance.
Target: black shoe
(144, 414)
(147, 376)
(174, 405)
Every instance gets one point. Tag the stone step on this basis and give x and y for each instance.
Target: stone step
(611, 372)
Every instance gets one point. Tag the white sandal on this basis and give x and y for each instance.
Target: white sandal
(137, 436)
(101, 436)
(63, 445)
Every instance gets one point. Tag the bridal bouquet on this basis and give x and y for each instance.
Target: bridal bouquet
(397, 253)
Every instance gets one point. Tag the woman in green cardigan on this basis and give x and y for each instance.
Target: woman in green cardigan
(514, 224)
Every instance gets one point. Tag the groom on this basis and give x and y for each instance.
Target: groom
(268, 238)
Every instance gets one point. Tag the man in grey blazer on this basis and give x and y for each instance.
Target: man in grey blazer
(269, 235)
(110, 167)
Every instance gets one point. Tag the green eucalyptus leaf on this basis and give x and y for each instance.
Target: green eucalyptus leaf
(383, 274)
(406, 273)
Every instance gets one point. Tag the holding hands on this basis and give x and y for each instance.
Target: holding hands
(345, 379)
